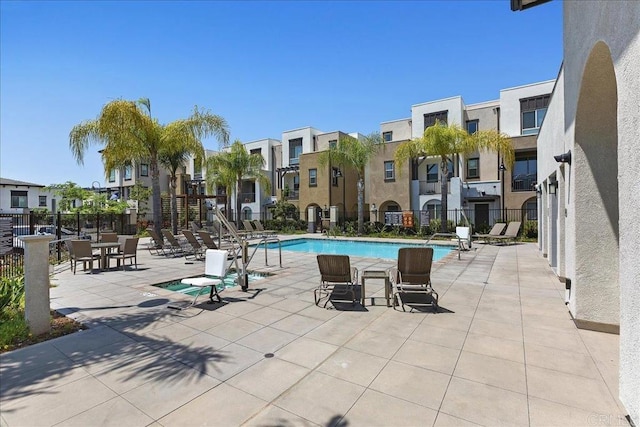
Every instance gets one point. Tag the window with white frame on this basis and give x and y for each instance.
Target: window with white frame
(533, 111)
(42, 201)
(389, 171)
(473, 167)
(387, 136)
(295, 150)
(19, 199)
(127, 173)
(144, 169)
(313, 177)
(112, 175)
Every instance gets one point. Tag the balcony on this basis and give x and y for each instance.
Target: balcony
(294, 161)
(248, 197)
(427, 187)
(523, 183)
(291, 195)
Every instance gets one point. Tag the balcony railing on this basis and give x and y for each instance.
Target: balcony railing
(427, 187)
(523, 184)
(294, 161)
(293, 195)
(248, 197)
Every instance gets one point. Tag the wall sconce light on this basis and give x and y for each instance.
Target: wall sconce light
(553, 186)
(373, 208)
(538, 189)
(563, 158)
(337, 173)
(325, 208)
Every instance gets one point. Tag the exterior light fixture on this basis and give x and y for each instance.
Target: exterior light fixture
(564, 157)
(553, 186)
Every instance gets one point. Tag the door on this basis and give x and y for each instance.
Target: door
(481, 212)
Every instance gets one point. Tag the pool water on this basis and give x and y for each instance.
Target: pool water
(382, 250)
(229, 281)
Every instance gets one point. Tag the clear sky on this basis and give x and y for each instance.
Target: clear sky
(265, 66)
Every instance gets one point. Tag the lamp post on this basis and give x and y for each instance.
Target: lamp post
(375, 212)
(502, 168)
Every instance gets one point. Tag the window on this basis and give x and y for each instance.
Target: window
(197, 170)
(335, 174)
(112, 175)
(434, 208)
(333, 143)
(449, 169)
(19, 199)
(473, 168)
(389, 171)
(432, 172)
(531, 210)
(472, 126)
(533, 111)
(387, 136)
(295, 150)
(144, 169)
(430, 119)
(313, 177)
(525, 169)
(127, 173)
(42, 201)
(257, 151)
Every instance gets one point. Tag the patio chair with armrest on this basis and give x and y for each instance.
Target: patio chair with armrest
(337, 278)
(80, 250)
(497, 229)
(128, 250)
(411, 278)
(510, 234)
(215, 268)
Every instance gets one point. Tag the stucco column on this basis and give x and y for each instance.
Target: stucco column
(36, 283)
(333, 216)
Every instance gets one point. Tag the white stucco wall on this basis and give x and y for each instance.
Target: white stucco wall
(33, 200)
(401, 129)
(615, 23)
(306, 134)
(510, 104)
(454, 106)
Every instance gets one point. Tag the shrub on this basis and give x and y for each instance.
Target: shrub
(11, 292)
(530, 230)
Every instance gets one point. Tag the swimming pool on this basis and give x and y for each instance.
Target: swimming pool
(358, 248)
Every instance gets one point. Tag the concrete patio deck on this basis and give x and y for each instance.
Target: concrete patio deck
(502, 351)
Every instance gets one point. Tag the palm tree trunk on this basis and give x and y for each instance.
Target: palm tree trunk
(444, 188)
(155, 194)
(360, 205)
(174, 205)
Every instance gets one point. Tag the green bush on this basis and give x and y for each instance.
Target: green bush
(13, 327)
(530, 230)
(11, 292)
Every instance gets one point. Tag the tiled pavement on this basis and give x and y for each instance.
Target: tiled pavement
(503, 351)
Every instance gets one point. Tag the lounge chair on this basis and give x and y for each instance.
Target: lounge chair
(80, 250)
(262, 231)
(497, 229)
(209, 243)
(157, 243)
(411, 279)
(174, 247)
(128, 250)
(337, 278)
(215, 268)
(198, 249)
(249, 228)
(233, 231)
(510, 234)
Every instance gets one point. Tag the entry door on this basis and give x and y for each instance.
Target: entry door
(481, 212)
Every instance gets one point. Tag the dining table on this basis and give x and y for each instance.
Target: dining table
(105, 248)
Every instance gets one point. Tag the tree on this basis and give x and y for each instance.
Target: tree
(219, 174)
(444, 141)
(179, 144)
(239, 164)
(68, 193)
(356, 154)
(140, 194)
(129, 134)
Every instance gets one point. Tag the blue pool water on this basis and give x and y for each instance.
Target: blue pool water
(228, 282)
(355, 248)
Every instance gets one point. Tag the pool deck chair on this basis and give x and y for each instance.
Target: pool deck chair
(497, 229)
(215, 268)
(173, 247)
(510, 234)
(198, 249)
(157, 243)
(248, 227)
(411, 279)
(337, 278)
(264, 233)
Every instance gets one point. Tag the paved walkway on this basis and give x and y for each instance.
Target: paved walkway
(502, 351)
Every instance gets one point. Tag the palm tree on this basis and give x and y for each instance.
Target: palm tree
(219, 174)
(239, 164)
(129, 134)
(444, 141)
(179, 145)
(354, 153)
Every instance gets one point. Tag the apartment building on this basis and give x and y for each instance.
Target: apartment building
(479, 184)
(120, 181)
(17, 197)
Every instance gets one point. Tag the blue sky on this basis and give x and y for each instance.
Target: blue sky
(266, 67)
